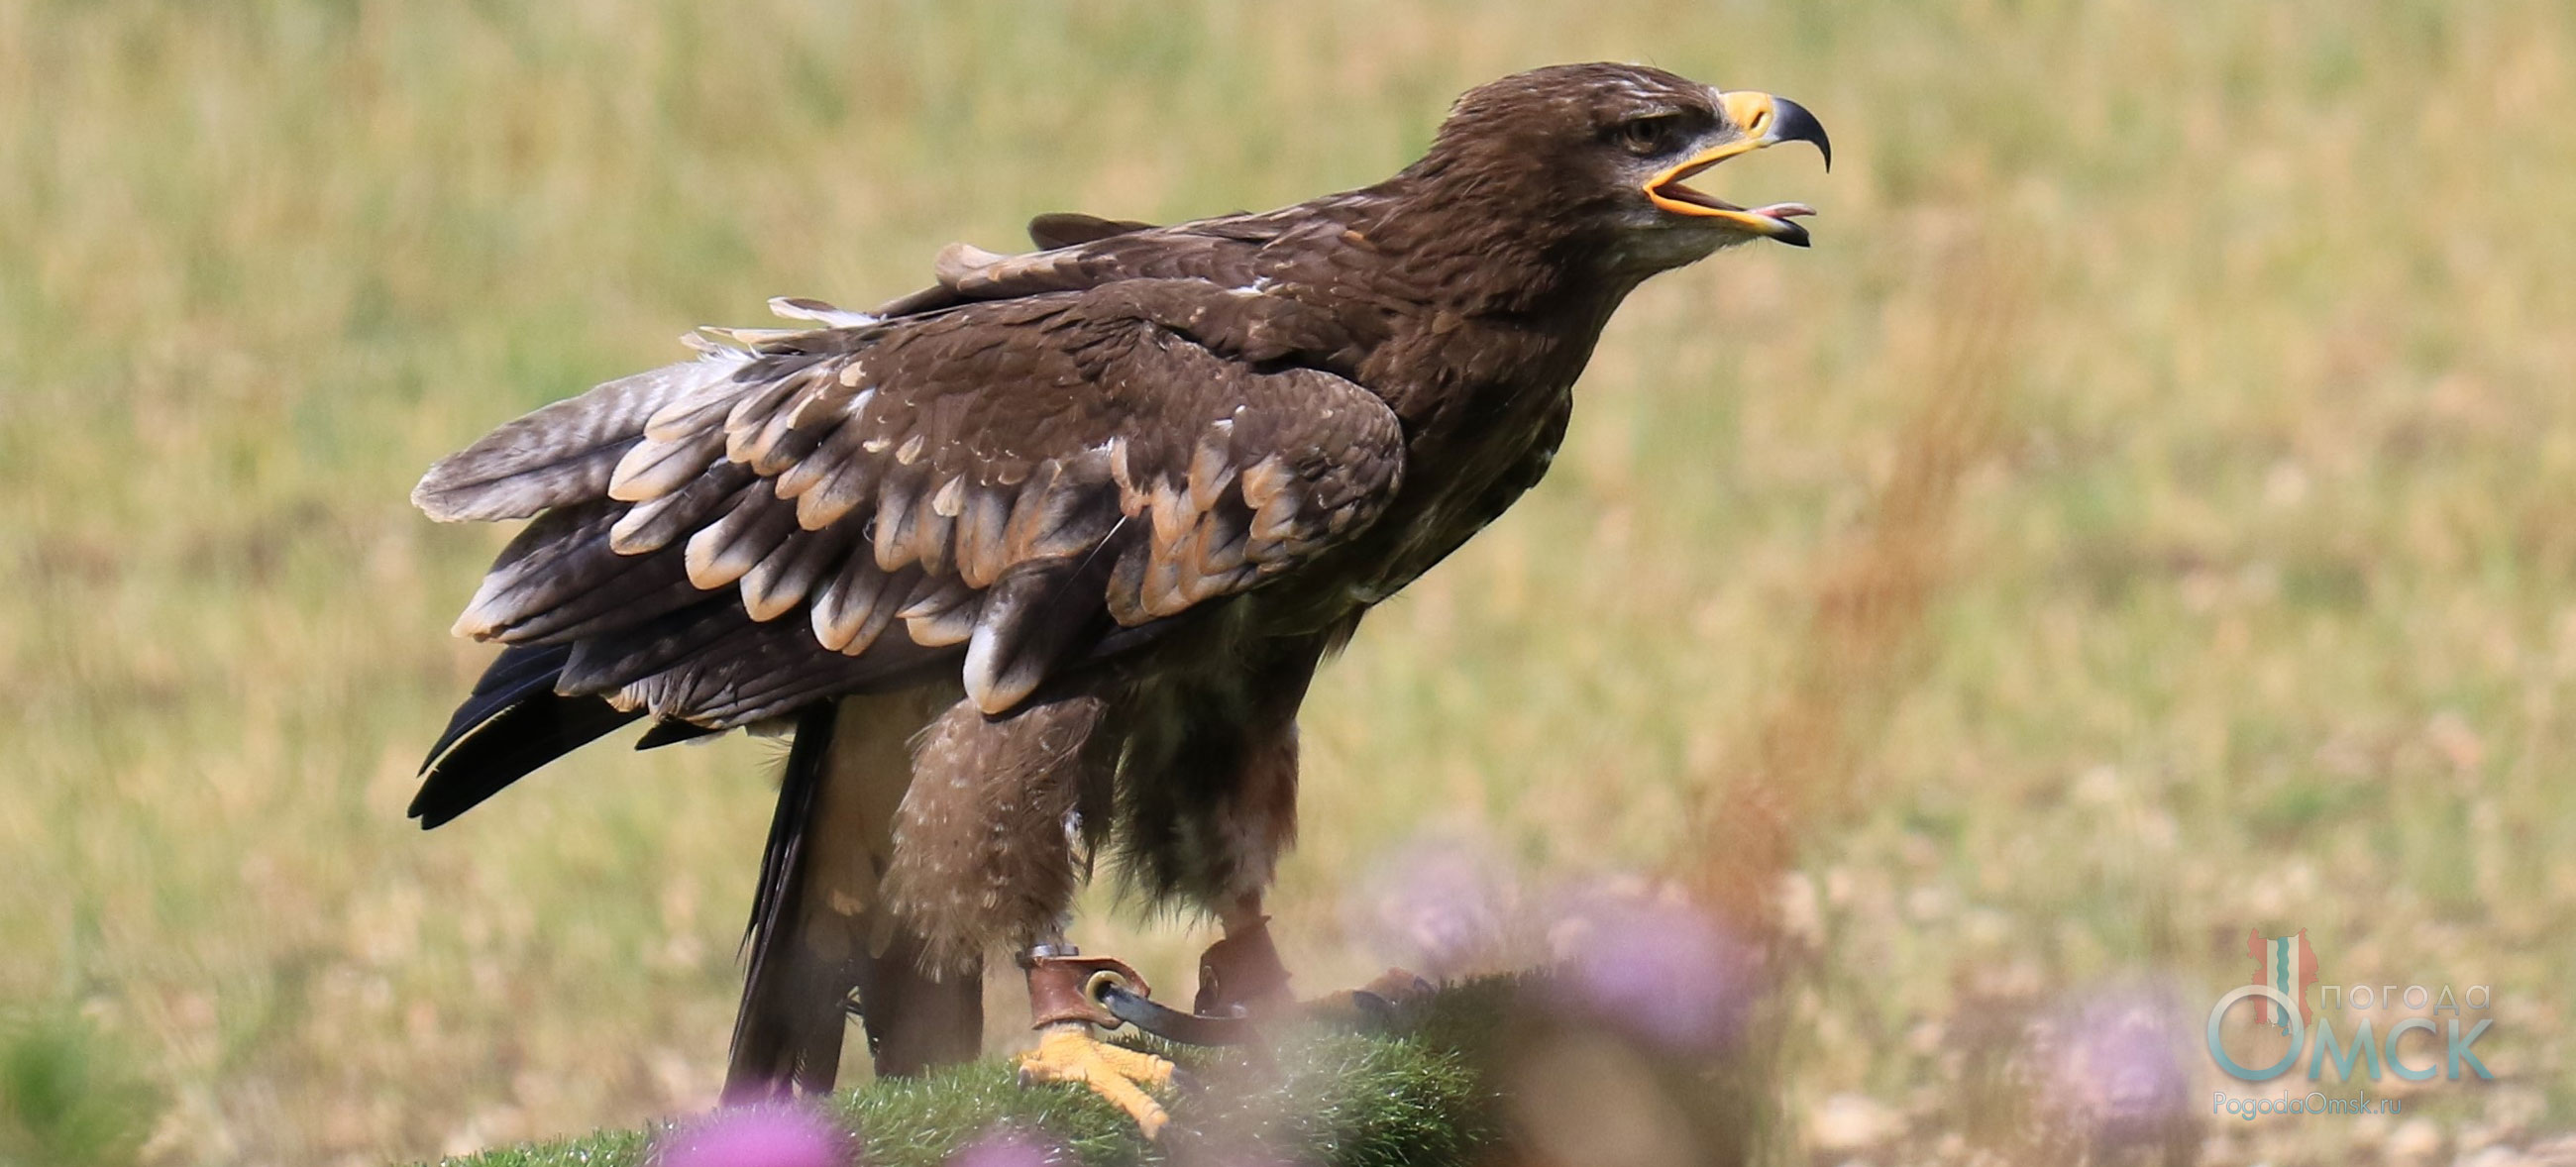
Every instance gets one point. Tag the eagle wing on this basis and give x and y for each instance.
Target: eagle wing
(1001, 487)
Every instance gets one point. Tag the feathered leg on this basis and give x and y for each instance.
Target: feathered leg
(1243, 833)
(1209, 807)
(1207, 813)
(984, 857)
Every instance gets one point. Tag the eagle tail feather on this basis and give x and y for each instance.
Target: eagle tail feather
(788, 1034)
(818, 934)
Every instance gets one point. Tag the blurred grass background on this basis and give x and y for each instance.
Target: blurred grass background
(2252, 608)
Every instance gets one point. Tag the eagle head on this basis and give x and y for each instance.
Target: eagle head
(1603, 152)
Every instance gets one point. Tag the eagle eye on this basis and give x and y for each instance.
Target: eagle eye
(1649, 135)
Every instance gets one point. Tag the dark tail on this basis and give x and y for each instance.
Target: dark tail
(512, 723)
(818, 934)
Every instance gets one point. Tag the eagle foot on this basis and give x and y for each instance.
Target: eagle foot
(1069, 1051)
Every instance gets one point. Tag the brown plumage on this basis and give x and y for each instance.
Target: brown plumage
(1078, 525)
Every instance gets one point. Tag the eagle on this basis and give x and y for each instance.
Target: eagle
(1039, 562)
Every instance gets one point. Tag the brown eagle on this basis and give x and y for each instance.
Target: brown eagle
(1042, 559)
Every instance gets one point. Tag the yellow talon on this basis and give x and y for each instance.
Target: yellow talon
(1067, 1052)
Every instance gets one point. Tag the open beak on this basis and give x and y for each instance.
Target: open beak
(1763, 120)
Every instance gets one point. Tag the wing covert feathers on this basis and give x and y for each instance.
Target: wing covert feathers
(1009, 480)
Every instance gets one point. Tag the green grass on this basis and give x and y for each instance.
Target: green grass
(68, 1097)
(2257, 609)
(1331, 1096)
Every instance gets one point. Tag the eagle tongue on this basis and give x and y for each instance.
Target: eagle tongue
(1785, 210)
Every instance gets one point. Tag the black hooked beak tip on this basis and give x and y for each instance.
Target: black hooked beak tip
(1792, 123)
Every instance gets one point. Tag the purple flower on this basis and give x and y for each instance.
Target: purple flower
(1439, 906)
(756, 1136)
(2114, 1059)
(1653, 967)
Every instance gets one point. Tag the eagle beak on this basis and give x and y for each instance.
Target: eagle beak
(1762, 120)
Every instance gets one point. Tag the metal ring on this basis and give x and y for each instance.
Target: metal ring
(1101, 983)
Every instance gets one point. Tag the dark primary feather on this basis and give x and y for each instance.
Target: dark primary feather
(513, 723)
(519, 671)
